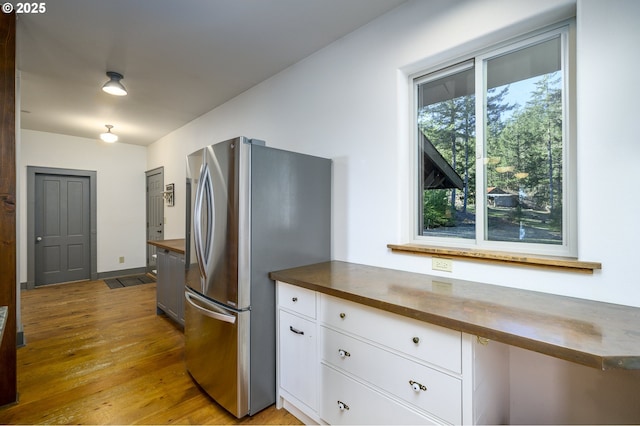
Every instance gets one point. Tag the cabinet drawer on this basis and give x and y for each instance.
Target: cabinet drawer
(297, 299)
(297, 351)
(437, 345)
(441, 394)
(361, 404)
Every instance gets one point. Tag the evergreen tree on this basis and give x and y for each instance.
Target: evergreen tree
(531, 141)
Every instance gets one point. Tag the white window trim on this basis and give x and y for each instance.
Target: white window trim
(569, 248)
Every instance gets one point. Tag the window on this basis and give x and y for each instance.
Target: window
(495, 157)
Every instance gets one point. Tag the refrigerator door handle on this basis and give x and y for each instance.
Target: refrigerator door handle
(197, 221)
(215, 313)
(204, 193)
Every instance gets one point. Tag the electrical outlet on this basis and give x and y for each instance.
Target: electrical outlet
(121, 260)
(441, 264)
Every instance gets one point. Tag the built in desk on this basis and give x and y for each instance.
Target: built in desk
(596, 334)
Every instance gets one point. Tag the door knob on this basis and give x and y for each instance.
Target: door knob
(38, 239)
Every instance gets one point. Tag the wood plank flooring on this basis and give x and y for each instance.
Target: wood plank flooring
(99, 356)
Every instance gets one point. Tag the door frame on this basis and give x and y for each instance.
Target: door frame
(32, 171)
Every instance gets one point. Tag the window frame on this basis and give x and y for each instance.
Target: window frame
(566, 31)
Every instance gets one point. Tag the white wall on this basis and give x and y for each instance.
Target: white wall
(120, 180)
(349, 102)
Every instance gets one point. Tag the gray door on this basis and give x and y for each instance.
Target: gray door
(155, 214)
(62, 229)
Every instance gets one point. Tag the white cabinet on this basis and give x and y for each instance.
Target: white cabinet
(297, 352)
(414, 366)
(376, 367)
(426, 342)
(402, 378)
(297, 299)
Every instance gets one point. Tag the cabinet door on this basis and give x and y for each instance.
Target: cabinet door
(170, 276)
(163, 283)
(178, 291)
(170, 284)
(176, 284)
(298, 367)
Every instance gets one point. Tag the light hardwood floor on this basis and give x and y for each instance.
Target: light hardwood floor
(99, 356)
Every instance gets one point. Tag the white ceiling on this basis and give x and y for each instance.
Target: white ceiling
(180, 58)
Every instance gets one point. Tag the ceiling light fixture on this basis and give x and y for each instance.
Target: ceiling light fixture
(108, 136)
(113, 86)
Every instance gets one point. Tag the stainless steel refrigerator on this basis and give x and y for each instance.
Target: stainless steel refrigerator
(251, 209)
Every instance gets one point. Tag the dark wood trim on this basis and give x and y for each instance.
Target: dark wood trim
(548, 262)
(8, 374)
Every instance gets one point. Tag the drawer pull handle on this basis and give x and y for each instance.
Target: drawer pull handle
(343, 353)
(342, 315)
(295, 330)
(342, 406)
(416, 340)
(294, 299)
(417, 386)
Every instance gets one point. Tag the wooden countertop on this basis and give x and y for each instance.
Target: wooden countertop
(595, 334)
(176, 245)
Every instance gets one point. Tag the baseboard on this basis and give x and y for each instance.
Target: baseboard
(30, 285)
(122, 273)
(299, 414)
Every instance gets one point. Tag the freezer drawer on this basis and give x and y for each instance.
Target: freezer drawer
(217, 352)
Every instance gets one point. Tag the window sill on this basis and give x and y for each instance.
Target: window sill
(500, 257)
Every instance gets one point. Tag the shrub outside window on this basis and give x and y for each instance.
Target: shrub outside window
(495, 157)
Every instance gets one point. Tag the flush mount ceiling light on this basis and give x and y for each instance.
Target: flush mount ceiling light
(108, 136)
(113, 86)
